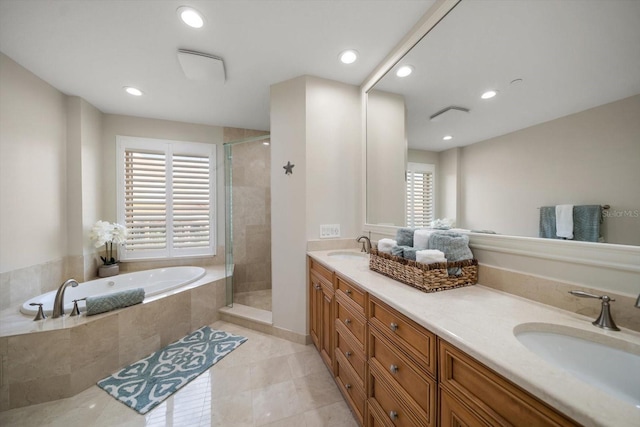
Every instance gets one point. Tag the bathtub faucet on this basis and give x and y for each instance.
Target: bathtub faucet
(58, 303)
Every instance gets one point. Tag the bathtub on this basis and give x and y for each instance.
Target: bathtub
(154, 282)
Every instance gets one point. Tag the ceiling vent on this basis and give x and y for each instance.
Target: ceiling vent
(201, 66)
(449, 113)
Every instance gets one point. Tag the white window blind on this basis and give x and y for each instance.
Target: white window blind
(166, 198)
(420, 194)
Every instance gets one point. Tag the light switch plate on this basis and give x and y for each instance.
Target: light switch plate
(329, 230)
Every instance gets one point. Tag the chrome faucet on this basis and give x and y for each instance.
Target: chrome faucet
(366, 244)
(604, 320)
(58, 302)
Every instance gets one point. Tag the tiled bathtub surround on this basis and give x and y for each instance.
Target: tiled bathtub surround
(70, 354)
(556, 293)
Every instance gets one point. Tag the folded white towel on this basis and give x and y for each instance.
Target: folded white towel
(385, 245)
(430, 256)
(564, 221)
(421, 238)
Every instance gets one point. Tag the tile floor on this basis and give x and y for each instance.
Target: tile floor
(258, 299)
(267, 381)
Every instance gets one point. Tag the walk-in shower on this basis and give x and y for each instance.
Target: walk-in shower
(247, 165)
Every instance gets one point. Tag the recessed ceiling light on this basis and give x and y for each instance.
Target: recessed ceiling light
(404, 71)
(489, 94)
(348, 56)
(190, 16)
(266, 143)
(133, 91)
(447, 138)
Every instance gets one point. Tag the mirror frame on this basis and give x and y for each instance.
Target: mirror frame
(605, 255)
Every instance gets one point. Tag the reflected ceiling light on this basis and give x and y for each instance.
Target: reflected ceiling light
(348, 56)
(404, 71)
(190, 16)
(133, 91)
(447, 138)
(266, 143)
(489, 94)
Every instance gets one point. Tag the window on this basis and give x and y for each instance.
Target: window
(420, 197)
(166, 197)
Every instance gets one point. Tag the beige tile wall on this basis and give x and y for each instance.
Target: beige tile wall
(50, 365)
(251, 163)
(556, 293)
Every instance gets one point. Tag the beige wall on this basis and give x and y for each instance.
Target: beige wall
(448, 203)
(386, 158)
(33, 199)
(592, 157)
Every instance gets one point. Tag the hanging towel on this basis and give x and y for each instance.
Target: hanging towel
(421, 238)
(430, 256)
(385, 245)
(564, 221)
(548, 222)
(586, 222)
(404, 236)
(103, 303)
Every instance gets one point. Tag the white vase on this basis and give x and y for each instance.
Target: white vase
(108, 270)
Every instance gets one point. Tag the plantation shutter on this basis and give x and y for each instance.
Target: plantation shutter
(420, 197)
(166, 198)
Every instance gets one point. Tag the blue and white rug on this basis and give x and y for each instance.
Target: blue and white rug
(146, 383)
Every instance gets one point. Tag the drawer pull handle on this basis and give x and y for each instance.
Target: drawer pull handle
(393, 326)
(347, 386)
(317, 287)
(393, 415)
(347, 321)
(348, 354)
(393, 369)
(348, 292)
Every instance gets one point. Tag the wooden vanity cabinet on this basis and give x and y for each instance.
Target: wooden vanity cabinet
(321, 311)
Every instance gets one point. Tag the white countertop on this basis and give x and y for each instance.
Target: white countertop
(480, 321)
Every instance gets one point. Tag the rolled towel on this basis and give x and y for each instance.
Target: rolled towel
(398, 250)
(421, 238)
(455, 247)
(564, 221)
(404, 236)
(385, 245)
(409, 253)
(430, 256)
(103, 303)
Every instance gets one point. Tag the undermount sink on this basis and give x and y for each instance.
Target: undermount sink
(347, 255)
(607, 363)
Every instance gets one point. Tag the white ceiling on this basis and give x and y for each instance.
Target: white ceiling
(572, 55)
(93, 48)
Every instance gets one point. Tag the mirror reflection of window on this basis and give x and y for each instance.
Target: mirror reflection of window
(420, 194)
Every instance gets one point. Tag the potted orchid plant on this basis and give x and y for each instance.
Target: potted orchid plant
(105, 233)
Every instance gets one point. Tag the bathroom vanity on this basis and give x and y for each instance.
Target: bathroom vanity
(402, 357)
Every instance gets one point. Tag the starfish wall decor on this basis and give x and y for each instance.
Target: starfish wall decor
(288, 168)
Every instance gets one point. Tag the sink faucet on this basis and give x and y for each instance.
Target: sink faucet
(366, 244)
(604, 320)
(58, 302)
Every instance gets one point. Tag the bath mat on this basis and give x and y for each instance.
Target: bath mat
(146, 383)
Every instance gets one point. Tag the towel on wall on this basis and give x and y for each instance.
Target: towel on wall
(404, 236)
(586, 223)
(548, 222)
(421, 238)
(385, 245)
(103, 303)
(564, 221)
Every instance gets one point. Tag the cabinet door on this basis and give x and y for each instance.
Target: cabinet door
(326, 336)
(454, 414)
(315, 310)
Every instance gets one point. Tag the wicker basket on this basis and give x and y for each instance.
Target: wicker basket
(425, 277)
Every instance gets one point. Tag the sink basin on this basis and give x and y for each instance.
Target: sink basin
(347, 255)
(607, 363)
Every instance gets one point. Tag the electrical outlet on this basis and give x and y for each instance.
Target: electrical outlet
(329, 230)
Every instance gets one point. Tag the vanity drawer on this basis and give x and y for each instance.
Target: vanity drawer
(489, 394)
(353, 322)
(351, 388)
(420, 386)
(320, 270)
(404, 333)
(352, 354)
(375, 415)
(351, 291)
(399, 408)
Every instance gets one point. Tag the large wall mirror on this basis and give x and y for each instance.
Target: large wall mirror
(563, 127)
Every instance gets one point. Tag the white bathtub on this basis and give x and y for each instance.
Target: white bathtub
(154, 282)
